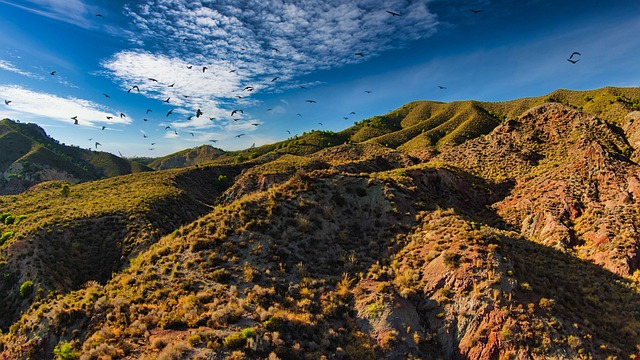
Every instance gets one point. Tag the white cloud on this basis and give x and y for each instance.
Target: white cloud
(75, 12)
(250, 42)
(29, 105)
(8, 66)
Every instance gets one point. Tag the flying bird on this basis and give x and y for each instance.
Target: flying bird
(299, 114)
(359, 54)
(191, 134)
(311, 101)
(393, 13)
(288, 132)
(190, 117)
(145, 119)
(7, 102)
(275, 78)
(171, 85)
(122, 116)
(135, 87)
(475, 11)
(234, 70)
(170, 112)
(235, 111)
(321, 124)
(151, 149)
(573, 61)
(574, 53)
(212, 118)
(204, 68)
(152, 79)
(98, 144)
(441, 87)
(109, 117)
(167, 127)
(175, 132)
(352, 113)
(239, 135)
(53, 73)
(144, 136)
(276, 50)
(269, 109)
(189, 66)
(198, 113)
(99, 15)
(106, 95)
(149, 110)
(104, 127)
(214, 141)
(153, 144)
(368, 91)
(167, 99)
(254, 124)
(248, 88)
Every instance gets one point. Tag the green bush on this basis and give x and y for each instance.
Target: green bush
(6, 236)
(26, 289)
(66, 190)
(234, 341)
(64, 351)
(9, 220)
(3, 216)
(19, 218)
(248, 333)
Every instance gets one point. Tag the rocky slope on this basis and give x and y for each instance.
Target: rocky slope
(516, 244)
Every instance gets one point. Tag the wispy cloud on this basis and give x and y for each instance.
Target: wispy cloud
(263, 44)
(8, 66)
(30, 105)
(71, 11)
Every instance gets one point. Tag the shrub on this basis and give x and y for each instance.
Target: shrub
(9, 220)
(249, 333)
(26, 289)
(3, 216)
(6, 236)
(64, 351)
(234, 341)
(65, 190)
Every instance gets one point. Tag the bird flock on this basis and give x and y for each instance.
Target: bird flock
(237, 114)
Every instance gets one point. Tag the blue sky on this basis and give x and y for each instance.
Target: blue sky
(287, 52)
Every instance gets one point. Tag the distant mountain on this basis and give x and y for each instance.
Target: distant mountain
(28, 156)
(463, 230)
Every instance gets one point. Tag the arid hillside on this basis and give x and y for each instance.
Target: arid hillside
(466, 230)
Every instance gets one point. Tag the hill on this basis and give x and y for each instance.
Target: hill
(516, 241)
(30, 156)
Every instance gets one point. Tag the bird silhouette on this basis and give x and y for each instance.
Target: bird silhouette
(153, 144)
(122, 116)
(204, 68)
(145, 119)
(248, 88)
(144, 136)
(212, 118)
(98, 144)
(198, 113)
(7, 102)
(74, 118)
(441, 87)
(171, 85)
(191, 134)
(254, 124)
(288, 132)
(393, 13)
(149, 110)
(299, 114)
(359, 54)
(175, 132)
(170, 112)
(352, 113)
(190, 117)
(189, 66)
(104, 127)
(167, 127)
(276, 50)
(574, 53)
(152, 79)
(214, 141)
(106, 95)
(321, 124)
(275, 78)
(239, 135)
(573, 61)
(236, 111)
(269, 109)
(99, 15)
(368, 91)
(136, 87)
(475, 11)
(311, 101)
(53, 73)
(346, 118)
(109, 117)
(167, 99)
(90, 139)
(151, 149)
